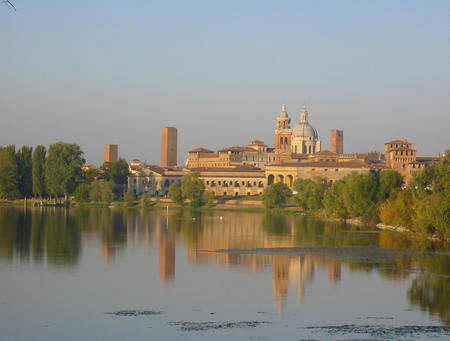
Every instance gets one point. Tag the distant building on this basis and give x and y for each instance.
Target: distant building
(169, 147)
(401, 157)
(111, 152)
(337, 141)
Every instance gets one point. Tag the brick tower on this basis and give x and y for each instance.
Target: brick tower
(337, 141)
(111, 152)
(169, 147)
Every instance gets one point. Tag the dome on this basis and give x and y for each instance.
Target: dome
(283, 113)
(304, 130)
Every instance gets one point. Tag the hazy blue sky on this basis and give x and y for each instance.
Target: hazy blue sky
(107, 71)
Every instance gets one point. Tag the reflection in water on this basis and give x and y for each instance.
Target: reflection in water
(54, 237)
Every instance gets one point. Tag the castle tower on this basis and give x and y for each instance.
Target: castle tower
(337, 141)
(111, 152)
(169, 147)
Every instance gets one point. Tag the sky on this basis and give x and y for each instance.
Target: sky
(107, 71)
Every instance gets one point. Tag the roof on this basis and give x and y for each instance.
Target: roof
(200, 150)
(300, 156)
(236, 149)
(325, 152)
(245, 168)
(398, 141)
(257, 143)
(327, 164)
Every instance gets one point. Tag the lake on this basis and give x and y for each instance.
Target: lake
(91, 274)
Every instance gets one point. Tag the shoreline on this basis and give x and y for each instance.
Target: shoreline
(231, 205)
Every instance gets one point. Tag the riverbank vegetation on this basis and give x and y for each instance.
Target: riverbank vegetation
(423, 206)
(58, 172)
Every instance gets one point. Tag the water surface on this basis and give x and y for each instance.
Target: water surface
(99, 273)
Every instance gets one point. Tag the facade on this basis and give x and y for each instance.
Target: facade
(153, 180)
(337, 141)
(256, 154)
(111, 153)
(169, 147)
(239, 181)
(331, 170)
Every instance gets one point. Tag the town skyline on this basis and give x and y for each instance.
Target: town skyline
(379, 71)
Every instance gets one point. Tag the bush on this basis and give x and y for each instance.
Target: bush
(100, 190)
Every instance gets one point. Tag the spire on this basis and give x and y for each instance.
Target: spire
(304, 115)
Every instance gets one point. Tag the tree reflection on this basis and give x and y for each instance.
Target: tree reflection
(431, 289)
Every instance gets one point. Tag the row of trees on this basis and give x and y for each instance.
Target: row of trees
(55, 172)
(423, 206)
(192, 188)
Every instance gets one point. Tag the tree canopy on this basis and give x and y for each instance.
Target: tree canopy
(192, 188)
(63, 168)
(276, 195)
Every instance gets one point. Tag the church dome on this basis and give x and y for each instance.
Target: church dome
(304, 130)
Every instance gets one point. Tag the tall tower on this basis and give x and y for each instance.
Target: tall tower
(169, 147)
(337, 141)
(111, 152)
(283, 136)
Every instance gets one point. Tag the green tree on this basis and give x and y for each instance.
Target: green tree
(63, 168)
(129, 198)
(276, 195)
(310, 194)
(24, 169)
(100, 190)
(117, 171)
(431, 188)
(38, 171)
(9, 180)
(390, 182)
(82, 193)
(175, 193)
(192, 188)
(360, 192)
(334, 200)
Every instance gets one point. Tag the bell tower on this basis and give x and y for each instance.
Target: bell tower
(283, 137)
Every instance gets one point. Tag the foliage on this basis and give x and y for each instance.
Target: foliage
(209, 197)
(38, 169)
(24, 169)
(334, 200)
(399, 210)
(63, 168)
(9, 179)
(276, 195)
(360, 192)
(310, 194)
(90, 174)
(117, 171)
(82, 193)
(100, 190)
(129, 198)
(390, 182)
(192, 188)
(431, 188)
(145, 200)
(175, 193)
